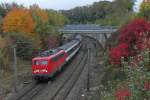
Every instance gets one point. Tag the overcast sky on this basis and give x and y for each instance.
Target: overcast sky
(58, 4)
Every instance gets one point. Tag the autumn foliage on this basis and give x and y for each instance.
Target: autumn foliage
(19, 20)
(33, 23)
(122, 50)
(134, 38)
(147, 85)
(40, 13)
(144, 10)
(122, 94)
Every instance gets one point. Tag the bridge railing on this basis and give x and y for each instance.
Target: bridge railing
(89, 29)
(109, 27)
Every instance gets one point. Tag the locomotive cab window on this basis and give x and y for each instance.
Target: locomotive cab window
(44, 62)
(36, 62)
(62, 55)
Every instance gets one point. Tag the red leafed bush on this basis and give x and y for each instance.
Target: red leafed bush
(122, 94)
(136, 37)
(115, 56)
(122, 50)
(134, 31)
(147, 85)
(135, 34)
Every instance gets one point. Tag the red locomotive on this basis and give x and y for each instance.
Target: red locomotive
(51, 61)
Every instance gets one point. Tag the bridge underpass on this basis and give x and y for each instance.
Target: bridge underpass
(100, 33)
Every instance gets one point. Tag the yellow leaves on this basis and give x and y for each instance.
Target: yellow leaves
(34, 23)
(56, 18)
(19, 20)
(41, 13)
(144, 6)
(144, 10)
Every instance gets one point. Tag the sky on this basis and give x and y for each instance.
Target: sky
(60, 4)
(137, 4)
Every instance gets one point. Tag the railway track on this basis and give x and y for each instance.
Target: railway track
(33, 92)
(67, 86)
(56, 86)
(28, 92)
(61, 91)
(63, 83)
(64, 91)
(83, 83)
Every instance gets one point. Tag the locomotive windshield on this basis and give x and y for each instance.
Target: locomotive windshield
(40, 62)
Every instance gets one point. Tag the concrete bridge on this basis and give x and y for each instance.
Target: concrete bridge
(100, 33)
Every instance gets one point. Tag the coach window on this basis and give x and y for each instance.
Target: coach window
(57, 57)
(70, 51)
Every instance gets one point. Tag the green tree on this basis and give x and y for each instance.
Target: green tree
(40, 17)
(103, 12)
(6, 7)
(144, 10)
(56, 19)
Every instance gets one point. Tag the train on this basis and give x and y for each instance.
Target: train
(51, 61)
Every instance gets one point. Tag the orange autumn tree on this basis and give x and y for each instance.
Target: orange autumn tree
(40, 17)
(19, 20)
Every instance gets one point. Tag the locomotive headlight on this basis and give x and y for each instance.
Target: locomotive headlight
(36, 71)
(44, 70)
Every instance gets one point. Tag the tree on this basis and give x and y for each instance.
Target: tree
(40, 13)
(1, 21)
(56, 19)
(47, 22)
(144, 10)
(134, 37)
(5, 7)
(40, 17)
(19, 20)
(103, 12)
(123, 6)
